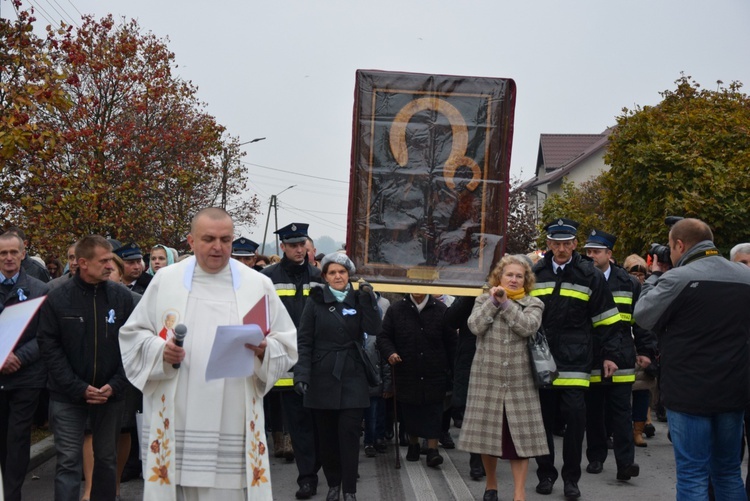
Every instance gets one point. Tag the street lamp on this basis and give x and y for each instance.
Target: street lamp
(273, 203)
(252, 141)
(225, 169)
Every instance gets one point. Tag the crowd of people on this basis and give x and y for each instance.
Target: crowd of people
(107, 358)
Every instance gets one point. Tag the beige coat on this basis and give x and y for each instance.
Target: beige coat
(501, 378)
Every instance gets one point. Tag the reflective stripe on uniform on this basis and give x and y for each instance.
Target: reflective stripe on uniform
(291, 290)
(285, 381)
(609, 317)
(581, 292)
(567, 289)
(623, 297)
(545, 291)
(627, 317)
(287, 292)
(572, 379)
(620, 376)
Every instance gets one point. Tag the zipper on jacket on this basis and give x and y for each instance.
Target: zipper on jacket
(96, 341)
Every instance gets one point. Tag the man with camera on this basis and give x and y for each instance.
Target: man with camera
(578, 307)
(699, 312)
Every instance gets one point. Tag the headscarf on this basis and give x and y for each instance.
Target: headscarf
(170, 252)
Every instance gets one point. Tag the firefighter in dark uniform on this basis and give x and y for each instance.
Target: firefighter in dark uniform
(611, 397)
(578, 307)
(292, 277)
(243, 250)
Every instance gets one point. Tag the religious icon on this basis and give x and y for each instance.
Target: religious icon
(429, 179)
(169, 320)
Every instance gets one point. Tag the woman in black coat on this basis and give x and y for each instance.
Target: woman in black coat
(415, 337)
(330, 372)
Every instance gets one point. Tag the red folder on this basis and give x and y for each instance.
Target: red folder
(259, 315)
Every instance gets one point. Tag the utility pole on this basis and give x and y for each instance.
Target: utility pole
(273, 203)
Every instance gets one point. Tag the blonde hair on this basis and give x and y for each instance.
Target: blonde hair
(528, 276)
(634, 260)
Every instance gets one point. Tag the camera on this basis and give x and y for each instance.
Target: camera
(661, 252)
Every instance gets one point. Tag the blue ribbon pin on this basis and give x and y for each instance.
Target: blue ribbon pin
(111, 317)
(21, 295)
(346, 312)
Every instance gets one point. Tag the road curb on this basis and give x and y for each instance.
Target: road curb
(41, 452)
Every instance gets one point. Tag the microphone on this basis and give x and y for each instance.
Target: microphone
(180, 331)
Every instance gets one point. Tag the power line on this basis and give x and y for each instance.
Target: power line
(296, 173)
(64, 11)
(42, 13)
(76, 8)
(293, 208)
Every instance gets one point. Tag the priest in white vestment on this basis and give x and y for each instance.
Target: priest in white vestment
(204, 439)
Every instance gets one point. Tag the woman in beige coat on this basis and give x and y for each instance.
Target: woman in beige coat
(503, 416)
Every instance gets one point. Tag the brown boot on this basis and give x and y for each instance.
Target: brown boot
(278, 444)
(638, 434)
(288, 449)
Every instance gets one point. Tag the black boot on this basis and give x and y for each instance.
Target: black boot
(476, 468)
(333, 493)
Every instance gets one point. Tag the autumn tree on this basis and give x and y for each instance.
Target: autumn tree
(688, 156)
(139, 155)
(522, 231)
(580, 203)
(29, 82)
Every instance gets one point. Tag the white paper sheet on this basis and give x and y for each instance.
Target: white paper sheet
(13, 322)
(229, 357)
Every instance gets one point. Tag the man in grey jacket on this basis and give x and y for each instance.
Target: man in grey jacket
(699, 312)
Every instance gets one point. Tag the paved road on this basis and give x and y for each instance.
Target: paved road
(415, 481)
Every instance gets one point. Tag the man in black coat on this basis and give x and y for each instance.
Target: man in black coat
(611, 396)
(293, 277)
(23, 375)
(79, 340)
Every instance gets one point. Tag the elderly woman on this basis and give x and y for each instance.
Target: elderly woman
(330, 373)
(421, 349)
(503, 416)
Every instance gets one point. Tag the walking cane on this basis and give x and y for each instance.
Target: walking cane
(395, 418)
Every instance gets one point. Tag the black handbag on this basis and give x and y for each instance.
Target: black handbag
(372, 371)
(543, 366)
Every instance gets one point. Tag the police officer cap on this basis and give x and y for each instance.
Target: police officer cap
(293, 233)
(600, 240)
(339, 258)
(244, 247)
(114, 243)
(561, 229)
(129, 251)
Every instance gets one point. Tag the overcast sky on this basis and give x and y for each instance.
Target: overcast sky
(285, 70)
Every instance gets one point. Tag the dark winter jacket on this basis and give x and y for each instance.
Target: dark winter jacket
(293, 283)
(634, 339)
(456, 316)
(33, 373)
(78, 335)
(372, 352)
(36, 270)
(578, 307)
(327, 337)
(141, 283)
(699, 312)
(426, 345)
